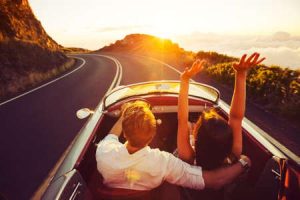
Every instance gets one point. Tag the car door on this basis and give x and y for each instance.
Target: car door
(70, 186)
(290, 187)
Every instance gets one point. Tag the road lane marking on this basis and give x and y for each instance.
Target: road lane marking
(44, 185)
(167, 65)
(119, 73)
(44, 85)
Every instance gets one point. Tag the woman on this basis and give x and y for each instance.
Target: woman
(216, 141)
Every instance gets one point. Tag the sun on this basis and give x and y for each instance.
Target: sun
(164, 32)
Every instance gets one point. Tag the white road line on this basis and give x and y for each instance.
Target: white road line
(44, 85)
(119, 73)
(167, 65)
(116, 82)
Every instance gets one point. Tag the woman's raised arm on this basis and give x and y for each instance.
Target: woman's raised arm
(185, 151)
(237, 108)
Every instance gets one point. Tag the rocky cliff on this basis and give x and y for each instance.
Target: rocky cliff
(25, 47)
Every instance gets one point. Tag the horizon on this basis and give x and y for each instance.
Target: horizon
(229, 27)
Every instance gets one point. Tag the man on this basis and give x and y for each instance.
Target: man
(134, 165)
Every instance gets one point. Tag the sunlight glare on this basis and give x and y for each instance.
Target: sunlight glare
(164, 32)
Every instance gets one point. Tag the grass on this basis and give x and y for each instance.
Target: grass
(20, 82)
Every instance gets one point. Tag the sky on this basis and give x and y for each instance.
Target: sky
(233, 27)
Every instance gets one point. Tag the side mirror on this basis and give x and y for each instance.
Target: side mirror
(84, 113)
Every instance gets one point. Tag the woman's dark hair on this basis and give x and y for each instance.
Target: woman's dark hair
(213, 140)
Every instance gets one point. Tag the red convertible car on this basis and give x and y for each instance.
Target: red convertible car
(275, 171)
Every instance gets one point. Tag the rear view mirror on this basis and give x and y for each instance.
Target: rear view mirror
(84, 113)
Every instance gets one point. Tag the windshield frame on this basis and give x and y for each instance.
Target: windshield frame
(192, 83)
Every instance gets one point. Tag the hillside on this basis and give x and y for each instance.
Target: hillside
(147, 45)
(27, 53)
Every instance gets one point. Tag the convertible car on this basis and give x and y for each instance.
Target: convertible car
(275, 171)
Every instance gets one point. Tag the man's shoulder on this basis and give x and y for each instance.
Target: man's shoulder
(110, 138)
(109, 144)
(159, 154)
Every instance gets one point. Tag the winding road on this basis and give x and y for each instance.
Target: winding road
(37, 127)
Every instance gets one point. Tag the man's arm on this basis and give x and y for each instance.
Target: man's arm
(218, 178)
(185, 151)
(237, 108)
(180, 173)
(117, 127)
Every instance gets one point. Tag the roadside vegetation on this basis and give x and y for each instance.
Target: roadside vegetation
(274, 88)
(74, 50)
(14, 82)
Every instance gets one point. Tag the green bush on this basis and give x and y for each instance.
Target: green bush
(275, 88)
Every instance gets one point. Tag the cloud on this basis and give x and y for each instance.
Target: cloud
(281, 36)
(280, 48)
(282, 56)
(284, 36)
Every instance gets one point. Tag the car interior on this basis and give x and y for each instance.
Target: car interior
(265, 180)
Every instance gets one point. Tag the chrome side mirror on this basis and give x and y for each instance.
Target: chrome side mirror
(84, 113)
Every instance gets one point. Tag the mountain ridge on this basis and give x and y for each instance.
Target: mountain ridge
(151, 46)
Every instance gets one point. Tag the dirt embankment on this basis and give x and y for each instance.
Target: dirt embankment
(28, 54)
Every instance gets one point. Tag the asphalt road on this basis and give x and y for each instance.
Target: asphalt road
(37, 128)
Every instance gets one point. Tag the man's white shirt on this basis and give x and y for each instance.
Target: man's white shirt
(145, 169)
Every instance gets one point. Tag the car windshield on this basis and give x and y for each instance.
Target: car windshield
(161, 87)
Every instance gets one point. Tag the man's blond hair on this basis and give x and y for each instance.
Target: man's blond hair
(139, 124)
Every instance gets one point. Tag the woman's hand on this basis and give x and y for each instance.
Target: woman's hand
(196, 68)
(245, 64)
